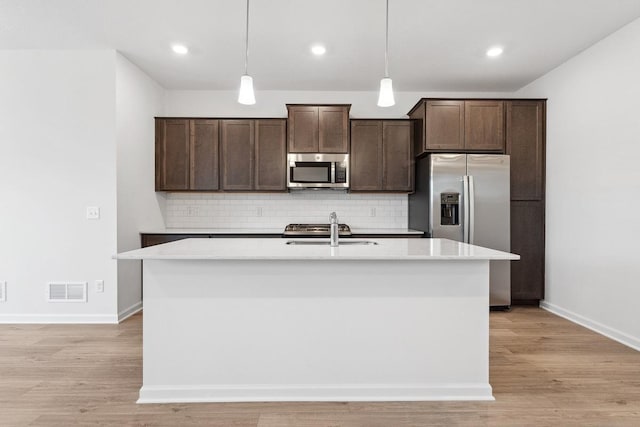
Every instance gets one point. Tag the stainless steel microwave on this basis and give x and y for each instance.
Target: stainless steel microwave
(317, 170)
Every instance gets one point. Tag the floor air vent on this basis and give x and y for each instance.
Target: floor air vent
(67, 292)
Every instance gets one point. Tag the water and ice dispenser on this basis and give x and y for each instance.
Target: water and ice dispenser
(449, 208)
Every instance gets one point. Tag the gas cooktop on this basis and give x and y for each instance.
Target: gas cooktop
(315, 230)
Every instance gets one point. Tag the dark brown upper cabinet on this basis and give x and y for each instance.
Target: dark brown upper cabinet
(236, 154)
(484, 125)
(186, 154)
(204, 155)
(253, 155)
(318, 128)
(397, 155)
(525, 144)
(458, 125)
(382, 155)
(444, 125)
(303, 129)
(366, 155)
(271, 155)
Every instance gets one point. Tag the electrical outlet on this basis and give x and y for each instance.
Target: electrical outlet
(372, 212)
(193, 211)
(100, 286)
(259, 211)
(93, 212)
(3, 291)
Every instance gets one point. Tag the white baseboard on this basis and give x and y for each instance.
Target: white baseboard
(614, 334)
(130, 311)
(314, 392)
(59, 318)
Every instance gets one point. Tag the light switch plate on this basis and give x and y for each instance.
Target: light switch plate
(93, 212)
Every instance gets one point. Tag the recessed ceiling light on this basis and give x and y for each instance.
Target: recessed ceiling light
(494, 51)
(180, 49)
(318, 49)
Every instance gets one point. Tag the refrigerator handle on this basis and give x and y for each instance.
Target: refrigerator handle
(472, 209)
(465, 209)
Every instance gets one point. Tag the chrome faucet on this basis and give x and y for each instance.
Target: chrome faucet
(333, 220)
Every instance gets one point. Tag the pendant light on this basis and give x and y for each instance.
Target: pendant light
(246, 95)
(385, 99)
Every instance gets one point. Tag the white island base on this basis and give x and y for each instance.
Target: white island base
(227, 330)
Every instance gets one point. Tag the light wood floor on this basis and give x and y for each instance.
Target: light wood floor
(545, 371)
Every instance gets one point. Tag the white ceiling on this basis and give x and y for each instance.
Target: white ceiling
(435, 45)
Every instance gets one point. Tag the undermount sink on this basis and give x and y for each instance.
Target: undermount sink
(342, 242)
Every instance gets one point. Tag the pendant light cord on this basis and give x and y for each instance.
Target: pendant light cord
(246, 43)
(386, 43)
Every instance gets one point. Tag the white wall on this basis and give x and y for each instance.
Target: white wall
(593, 185)
(138, 100)
(57, 156)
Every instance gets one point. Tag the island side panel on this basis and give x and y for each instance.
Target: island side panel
(312, 330)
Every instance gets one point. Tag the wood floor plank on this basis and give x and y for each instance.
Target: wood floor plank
(545, 371)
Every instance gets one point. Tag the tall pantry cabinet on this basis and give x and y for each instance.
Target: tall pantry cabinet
(525, 143)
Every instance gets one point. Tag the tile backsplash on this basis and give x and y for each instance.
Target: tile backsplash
(215, 210)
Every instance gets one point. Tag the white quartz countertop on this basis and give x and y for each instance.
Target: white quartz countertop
(278, 230)
(278, 249)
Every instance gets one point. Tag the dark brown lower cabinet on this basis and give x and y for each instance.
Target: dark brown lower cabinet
(382, 155)
(150, 239)
(527, 240)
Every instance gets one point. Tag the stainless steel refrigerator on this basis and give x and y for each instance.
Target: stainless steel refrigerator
(465, 197)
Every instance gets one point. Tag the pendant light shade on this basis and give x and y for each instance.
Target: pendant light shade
(246, 95)
(385, 99)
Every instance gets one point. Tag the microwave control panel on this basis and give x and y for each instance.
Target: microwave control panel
(341, 174)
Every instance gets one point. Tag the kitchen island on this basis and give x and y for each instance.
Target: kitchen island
(263, 320)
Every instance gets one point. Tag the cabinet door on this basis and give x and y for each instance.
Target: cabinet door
(333, 129)
(397, 166)
(484, 125)
(236, 165)
(366, 155)
(271, 155)
(303, 129)
(172, 154)
(525, 145)
(418, 116)
(527, 240)
(204, 155)
(444, 125)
